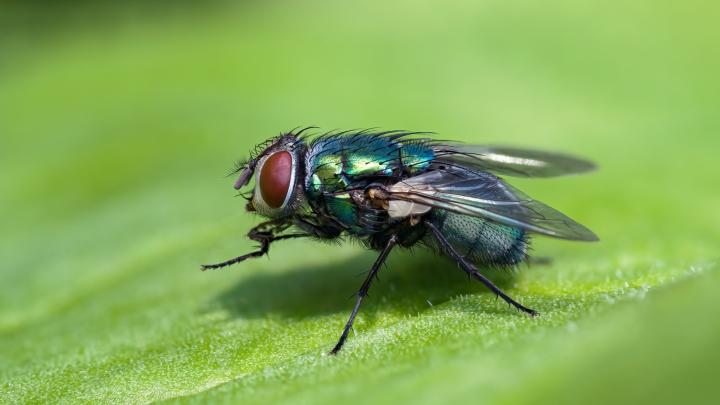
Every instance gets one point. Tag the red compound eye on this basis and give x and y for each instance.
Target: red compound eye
(275, 178)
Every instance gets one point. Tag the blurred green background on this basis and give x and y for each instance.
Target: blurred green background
(118, 123)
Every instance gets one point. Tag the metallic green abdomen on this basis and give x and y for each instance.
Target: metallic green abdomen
(481, 241)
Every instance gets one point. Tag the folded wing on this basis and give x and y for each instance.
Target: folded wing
(512, 161)
(481, 195)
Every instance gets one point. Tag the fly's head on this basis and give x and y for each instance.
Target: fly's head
(277, 167)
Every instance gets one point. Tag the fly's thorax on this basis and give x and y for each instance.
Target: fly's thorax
(339, 169)
(338, 163)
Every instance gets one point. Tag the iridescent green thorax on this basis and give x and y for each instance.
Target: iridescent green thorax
(335, 165)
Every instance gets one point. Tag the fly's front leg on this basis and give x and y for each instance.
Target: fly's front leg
(362, 293)
(473, 271)
(320, 231)
(265, 234)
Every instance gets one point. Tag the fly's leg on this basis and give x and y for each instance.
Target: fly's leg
(319, 231)
(471, 270)
(265, 234)
(265, 242)
(362, 293)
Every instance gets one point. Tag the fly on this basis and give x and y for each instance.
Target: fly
(401, 189)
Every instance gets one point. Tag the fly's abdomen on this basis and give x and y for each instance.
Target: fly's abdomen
(480, 241)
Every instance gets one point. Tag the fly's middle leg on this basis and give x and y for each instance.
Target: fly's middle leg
(362, 293)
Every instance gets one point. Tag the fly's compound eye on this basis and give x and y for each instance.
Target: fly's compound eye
(275, 179)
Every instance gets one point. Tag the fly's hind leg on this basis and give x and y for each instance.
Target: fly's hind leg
(471, 270)
(265, 233)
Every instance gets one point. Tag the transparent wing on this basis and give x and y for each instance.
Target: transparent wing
(511, 161)
(484, 195)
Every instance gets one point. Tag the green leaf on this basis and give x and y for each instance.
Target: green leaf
(118, 124)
